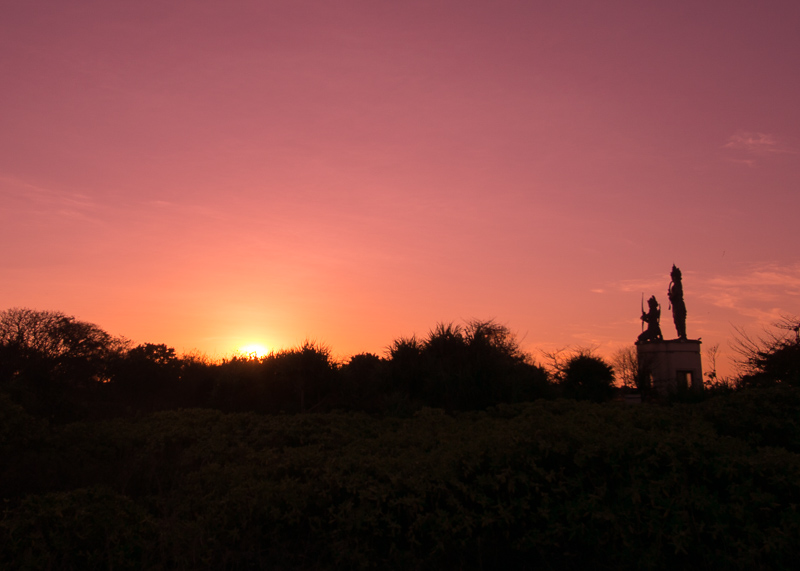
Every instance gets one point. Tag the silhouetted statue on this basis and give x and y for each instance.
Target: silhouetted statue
(653, 331)
(675, 293)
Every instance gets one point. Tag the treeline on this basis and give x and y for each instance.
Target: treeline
(63, 369)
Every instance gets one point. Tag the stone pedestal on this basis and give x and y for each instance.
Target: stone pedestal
(672, 365)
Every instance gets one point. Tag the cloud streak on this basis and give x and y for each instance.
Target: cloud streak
(757, 293)
(46, 198)
(758, 144)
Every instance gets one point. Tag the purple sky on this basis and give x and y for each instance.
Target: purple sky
(211, 174)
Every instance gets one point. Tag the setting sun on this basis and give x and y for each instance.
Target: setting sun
(254, 350)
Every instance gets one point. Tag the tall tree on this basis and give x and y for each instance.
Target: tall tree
(51, 362)
(50, 343)
(771, 359)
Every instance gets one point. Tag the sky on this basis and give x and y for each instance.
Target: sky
(212, 174)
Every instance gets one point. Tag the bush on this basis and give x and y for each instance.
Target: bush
(79, 529)
(587, 377)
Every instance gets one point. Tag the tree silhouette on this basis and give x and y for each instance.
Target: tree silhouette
(294, 380)
(309, 372)
(362, 382)
(502, 372)
(465, 368)
(772, 359)
(448, 382)
(405, 369)
(588, 377)
(625, 362)
(148, 376)
(49, 358)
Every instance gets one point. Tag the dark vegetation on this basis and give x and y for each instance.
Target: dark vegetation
(453, 451)
(773, 357)
(64, 370)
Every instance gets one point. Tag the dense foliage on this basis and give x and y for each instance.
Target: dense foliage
(772, 359)
(588, 378)
(52, 363)
(66, 370)
(435, 456)
(553, 484)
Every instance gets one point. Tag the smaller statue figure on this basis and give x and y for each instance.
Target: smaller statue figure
(675, 294)
(653, 331)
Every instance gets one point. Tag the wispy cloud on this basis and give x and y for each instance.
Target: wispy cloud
(760, 292)
(653, 284)
(25, 198)
(758, 144)
(752, 142)
(763, 275)
(35, 193)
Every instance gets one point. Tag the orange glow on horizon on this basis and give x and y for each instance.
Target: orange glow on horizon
(254, 350)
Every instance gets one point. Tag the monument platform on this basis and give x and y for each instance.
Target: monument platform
(672, 365)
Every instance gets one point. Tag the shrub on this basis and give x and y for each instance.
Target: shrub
(587, 377)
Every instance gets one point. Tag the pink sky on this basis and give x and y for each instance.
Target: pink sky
(210, 174)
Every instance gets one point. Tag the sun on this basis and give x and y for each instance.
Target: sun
(253, 350)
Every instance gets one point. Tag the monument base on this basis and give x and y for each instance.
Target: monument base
(671, 366)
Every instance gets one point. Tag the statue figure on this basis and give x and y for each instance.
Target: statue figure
(675, 294)
(653, 331)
